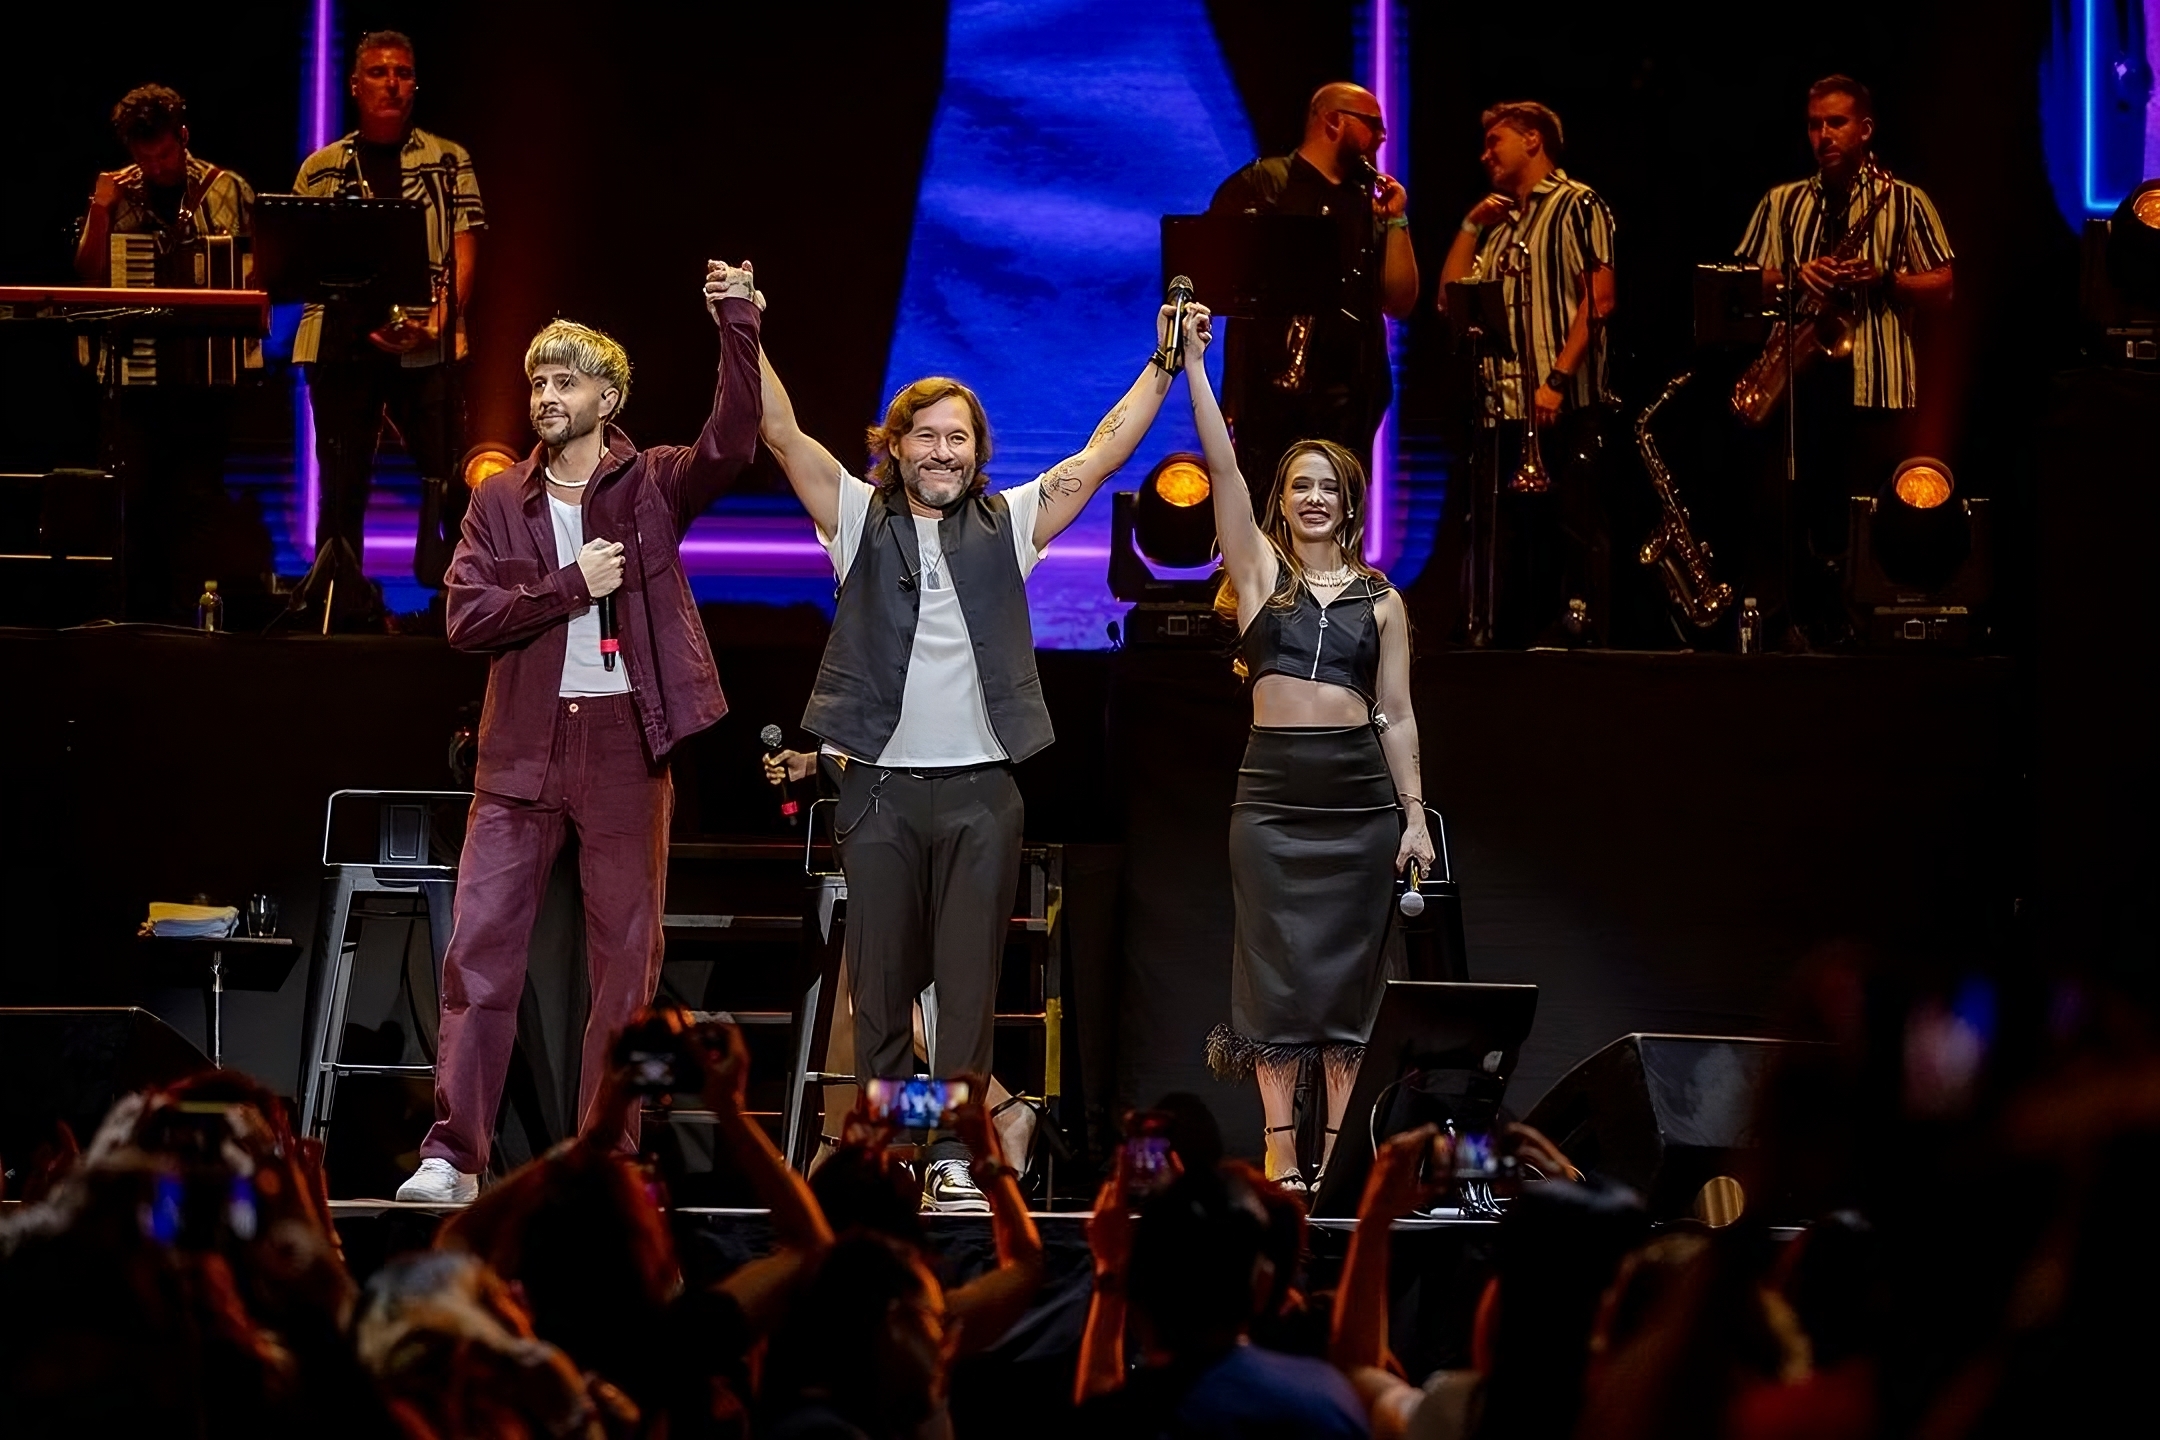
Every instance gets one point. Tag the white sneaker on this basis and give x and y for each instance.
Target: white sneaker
(438, 1182)
(948, 1189)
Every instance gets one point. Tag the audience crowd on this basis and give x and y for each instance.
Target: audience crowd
(1962, 1160)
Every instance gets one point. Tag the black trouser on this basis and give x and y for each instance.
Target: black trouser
(427, 405)
(932, 860)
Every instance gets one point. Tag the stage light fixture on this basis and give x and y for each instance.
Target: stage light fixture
(1167, 522)
(2133, 244)
(1923, 482)
(489, 457)
(1171, 524)
(1920, 561)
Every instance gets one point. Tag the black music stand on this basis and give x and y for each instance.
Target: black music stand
(1729, 308)
(327, 249)
(1439, 1051)
(1256, 265)
(359, 256)
(1477, 317)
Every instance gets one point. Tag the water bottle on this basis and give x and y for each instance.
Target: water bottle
(210, 609)
(1750, 627)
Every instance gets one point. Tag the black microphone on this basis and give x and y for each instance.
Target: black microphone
(771, 738)
(1179, 297)
(608, 645)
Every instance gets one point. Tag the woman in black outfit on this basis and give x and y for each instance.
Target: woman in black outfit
(1329, 804)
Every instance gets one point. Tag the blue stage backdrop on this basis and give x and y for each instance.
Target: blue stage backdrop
(1065, 131)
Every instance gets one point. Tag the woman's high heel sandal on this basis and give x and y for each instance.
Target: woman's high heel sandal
(1293, 1179)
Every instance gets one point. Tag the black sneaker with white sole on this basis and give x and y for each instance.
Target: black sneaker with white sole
(948, 1189)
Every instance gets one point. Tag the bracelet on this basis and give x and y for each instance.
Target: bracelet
(1160, 360)
(1558, 379)
(1406, 795)
(1471, 227)
(1396, 222)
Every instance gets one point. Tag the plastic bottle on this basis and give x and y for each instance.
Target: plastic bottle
(1750, 627)
(210, 609)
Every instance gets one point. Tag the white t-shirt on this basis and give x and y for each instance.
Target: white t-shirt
(583, 672)
(943, 720)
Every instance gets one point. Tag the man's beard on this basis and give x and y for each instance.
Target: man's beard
(961, 484)
(569, 428)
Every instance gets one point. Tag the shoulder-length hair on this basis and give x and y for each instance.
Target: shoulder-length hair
(912, 400)
(1275, 525)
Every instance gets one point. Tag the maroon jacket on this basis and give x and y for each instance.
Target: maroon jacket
(507, 595)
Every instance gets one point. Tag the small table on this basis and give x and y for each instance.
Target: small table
(217, 963)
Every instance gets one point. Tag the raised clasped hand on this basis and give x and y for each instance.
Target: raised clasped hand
(1491, 210)
(730, 282)
(1199, 333)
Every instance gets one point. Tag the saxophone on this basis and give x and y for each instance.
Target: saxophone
(1819, 332)
(1684, 562)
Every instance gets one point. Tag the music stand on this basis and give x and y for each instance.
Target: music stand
(1256, 265)
(1478, 318)
(1729, 309)
(326, 248)
(1439, 1051)
(363, 256)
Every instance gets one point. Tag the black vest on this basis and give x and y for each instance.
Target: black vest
(856, 701)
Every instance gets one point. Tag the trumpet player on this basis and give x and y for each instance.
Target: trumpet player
(1548, 239)
(1853, 412)
(1300, 377)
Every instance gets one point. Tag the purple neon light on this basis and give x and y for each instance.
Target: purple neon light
(319, 112)
(1381, 534)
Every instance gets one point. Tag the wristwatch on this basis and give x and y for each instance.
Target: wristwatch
(1558, 379)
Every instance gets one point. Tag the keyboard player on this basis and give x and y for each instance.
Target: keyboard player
(165, 432)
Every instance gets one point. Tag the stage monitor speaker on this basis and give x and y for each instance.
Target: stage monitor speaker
(1663, 1114)
(1440, 1050)
(71, 1064)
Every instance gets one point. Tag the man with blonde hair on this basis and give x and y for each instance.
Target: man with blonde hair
(928, 696)
(565, 556)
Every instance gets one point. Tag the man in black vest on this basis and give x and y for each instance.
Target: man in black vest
(928, 695)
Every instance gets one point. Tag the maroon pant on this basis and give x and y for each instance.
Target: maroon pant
(600, 783)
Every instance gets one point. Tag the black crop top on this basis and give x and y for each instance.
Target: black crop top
(1338, 644)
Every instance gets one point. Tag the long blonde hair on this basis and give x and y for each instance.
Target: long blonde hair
(1275, 525)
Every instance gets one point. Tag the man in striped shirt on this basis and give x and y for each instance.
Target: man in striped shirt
(361, 367)
(1548, 239)
(1853, 418)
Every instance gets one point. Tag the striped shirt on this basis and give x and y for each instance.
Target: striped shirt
(1569, 233)
(1907, 238)
(436, 172)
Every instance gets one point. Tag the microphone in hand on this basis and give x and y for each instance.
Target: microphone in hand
(773, 741)
(1412, 901)
(1180, 296)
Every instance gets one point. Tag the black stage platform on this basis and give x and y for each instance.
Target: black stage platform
(1657, 840)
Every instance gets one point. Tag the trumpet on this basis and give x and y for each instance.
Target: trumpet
(1530, 477)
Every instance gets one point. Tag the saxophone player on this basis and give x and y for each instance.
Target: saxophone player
(1548, 239)
(1854, 420)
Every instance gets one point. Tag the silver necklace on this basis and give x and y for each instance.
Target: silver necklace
(566, 484)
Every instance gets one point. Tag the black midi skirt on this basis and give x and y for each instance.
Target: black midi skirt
(1313, 835)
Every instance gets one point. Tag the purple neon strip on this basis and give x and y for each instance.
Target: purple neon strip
(1380, 536)
(321, 103)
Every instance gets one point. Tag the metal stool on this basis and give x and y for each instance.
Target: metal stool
(403, 868)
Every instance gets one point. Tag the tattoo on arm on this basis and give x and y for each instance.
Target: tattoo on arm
(1063, 481)
(1111, 424)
